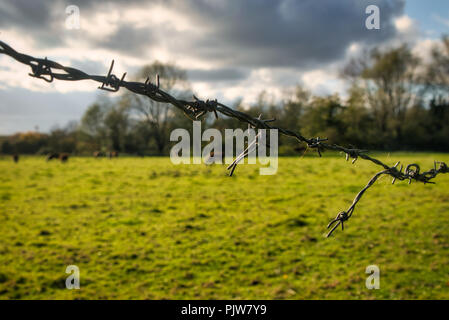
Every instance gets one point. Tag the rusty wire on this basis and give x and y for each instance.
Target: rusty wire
(197, 109)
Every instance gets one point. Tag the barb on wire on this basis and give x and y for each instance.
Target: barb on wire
(112, 81)
(151, 88)
(197, 109)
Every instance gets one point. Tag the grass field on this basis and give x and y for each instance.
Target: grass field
(143, 228)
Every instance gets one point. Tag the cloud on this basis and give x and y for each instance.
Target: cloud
(27, 14)
(408, 31)
(255, 33)
(128, 39)
(213, 75)
(322, 82)
(261, 33)
(22, 110)
(403, 23)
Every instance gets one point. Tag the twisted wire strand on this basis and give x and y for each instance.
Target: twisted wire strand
(197, 109)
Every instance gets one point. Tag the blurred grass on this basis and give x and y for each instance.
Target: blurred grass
(147, 229)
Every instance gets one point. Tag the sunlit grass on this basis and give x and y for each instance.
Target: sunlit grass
(147, 229)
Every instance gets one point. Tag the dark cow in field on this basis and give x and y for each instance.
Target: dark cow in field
(64, 157)
(99, 154)
(61, 156)
(113, 154)
(52, 156)
(15, 157)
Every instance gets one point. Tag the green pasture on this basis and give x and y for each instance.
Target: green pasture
(143, 228)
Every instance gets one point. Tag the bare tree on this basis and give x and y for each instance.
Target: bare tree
(156, 115)
(438, 70)
(392, 84)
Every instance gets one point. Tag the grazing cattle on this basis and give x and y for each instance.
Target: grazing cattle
(52, 156)
(64, 157)
(98, 154)
(15, 157)
(113, 154)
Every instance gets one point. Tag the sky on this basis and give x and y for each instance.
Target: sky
(231, 49)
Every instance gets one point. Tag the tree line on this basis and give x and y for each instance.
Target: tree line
(394, 101)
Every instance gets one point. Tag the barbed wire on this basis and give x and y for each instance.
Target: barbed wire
(197, 109)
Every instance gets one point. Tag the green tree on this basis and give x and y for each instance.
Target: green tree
(322, 118)
(292, 110)
(7, 147)
(93, 127)
(116, 124)
(359, 130)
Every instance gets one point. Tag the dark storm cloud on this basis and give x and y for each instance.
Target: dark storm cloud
(44, 19)
(25, 13)
(129, 39)
(288, 32)
(253, 33)
(222, 74)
